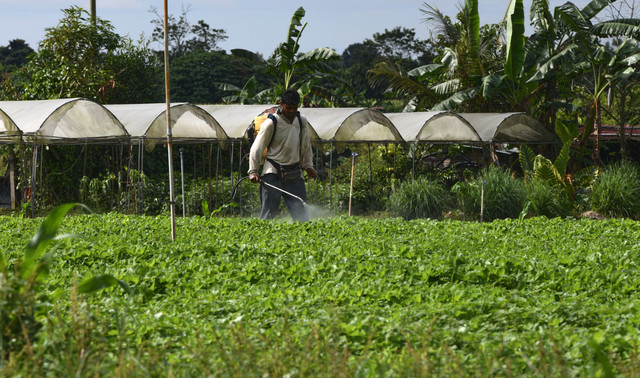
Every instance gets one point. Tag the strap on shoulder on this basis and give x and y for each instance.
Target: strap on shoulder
(299, 120)
(275, 124)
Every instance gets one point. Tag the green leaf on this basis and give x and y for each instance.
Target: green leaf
(593, 8)
(567, 132)
(296, 20)
(101, 281)
(44, 236)
(490, 83)
(515, 40)
(526, 158)
(456, 99)
(545, 170)
(602, 359)
(423, 71)
(321, 54)
(627, 28)
(550, 67)
(563, 158)
(471, 7)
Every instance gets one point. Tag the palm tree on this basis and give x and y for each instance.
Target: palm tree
(468, 74)
(287, 67)
(569, 42)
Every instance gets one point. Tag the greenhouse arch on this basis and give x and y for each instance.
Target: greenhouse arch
(80, 121)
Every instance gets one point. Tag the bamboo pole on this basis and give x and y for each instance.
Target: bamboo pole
(353, 171)
(330, 176)
(172, 203)
(184, 203)
(34, 171)
(12, 178)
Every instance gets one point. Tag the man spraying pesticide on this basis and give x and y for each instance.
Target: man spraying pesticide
(285, 136)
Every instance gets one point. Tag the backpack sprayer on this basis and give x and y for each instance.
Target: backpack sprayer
(252, 132)
(235, 189)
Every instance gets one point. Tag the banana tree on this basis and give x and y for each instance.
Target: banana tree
(287, 67)
(511, 85)
(456, 78)
(555, 173)
(622, 104)
(574, 47)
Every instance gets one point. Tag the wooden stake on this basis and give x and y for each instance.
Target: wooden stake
(172, 203)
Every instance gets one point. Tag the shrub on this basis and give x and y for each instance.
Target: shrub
(216, 193)
(616, 193)
(372, 182)
(504, 195)
(547, 200)
(421, 198)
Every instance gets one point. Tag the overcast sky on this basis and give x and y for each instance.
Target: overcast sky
(255, 25)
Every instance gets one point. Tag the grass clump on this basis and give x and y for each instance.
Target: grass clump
(421, 198)
(504, 195)
(616, 193)
(547, 200)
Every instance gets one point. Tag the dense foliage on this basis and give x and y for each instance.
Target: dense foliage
(85, 58)
(340, 296)
(616, 192)
(494, 194)
(421, 198)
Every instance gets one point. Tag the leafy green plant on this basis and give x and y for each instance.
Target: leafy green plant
(20, 303)
(287, 67)
(421, 198)
(547, 200)
(504, 195)
(346, 294)
(616, 193)
(538, 167)
(22, 300)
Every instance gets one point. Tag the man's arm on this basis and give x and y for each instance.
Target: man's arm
(257, 149)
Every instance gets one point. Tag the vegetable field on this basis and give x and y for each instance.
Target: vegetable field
(339, 297)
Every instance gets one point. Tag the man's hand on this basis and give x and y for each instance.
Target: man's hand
(312, 172)
(254, 178)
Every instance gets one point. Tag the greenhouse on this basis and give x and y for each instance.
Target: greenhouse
(79, 121)
(83, 121)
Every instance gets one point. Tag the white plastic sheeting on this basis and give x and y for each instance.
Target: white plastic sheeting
(149, 122)
(9, 131)
(81, 121)
(434, 127)
(449, 127)
(508, 128)
(72, 120)
(235, 118)
(351, 125)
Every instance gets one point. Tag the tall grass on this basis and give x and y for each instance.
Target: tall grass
(421, 198)
(547, 200)
(616, 193)
(504, 195)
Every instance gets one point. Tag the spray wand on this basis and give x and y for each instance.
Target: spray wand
(235, 189)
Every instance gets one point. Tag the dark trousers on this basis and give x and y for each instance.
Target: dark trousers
(270, 198)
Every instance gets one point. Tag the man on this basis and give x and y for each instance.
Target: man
(288, 152)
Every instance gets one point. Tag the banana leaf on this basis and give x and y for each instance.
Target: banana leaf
(515, 40)
(563, 158)
(471, 7)
(526, 158)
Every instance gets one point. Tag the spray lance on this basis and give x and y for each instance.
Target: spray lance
(235, 189)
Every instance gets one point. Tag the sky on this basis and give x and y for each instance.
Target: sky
(254, 25)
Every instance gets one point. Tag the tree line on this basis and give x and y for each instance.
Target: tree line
(84, 58)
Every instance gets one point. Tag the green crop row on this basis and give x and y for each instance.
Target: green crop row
(338, 296)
